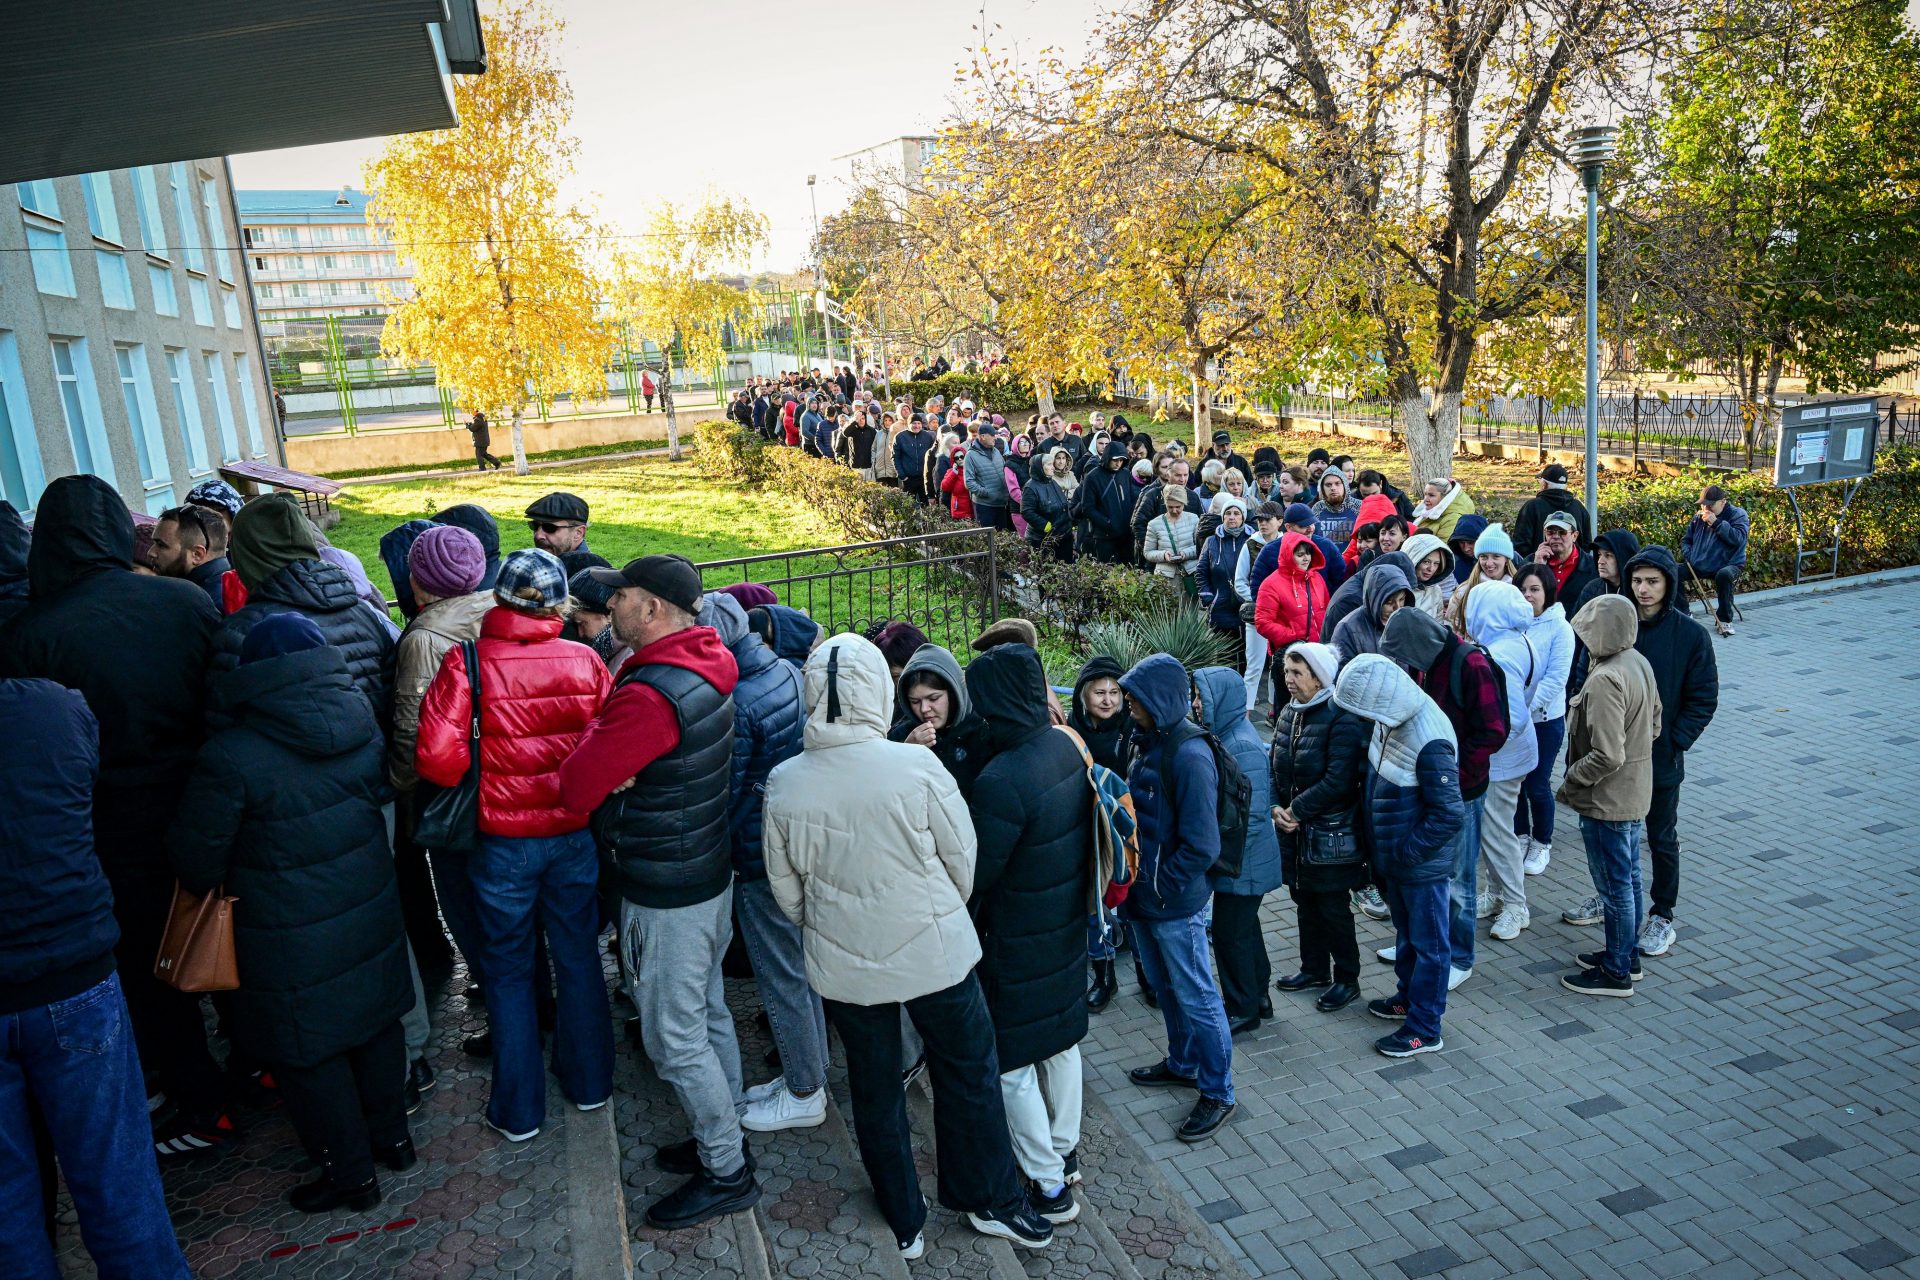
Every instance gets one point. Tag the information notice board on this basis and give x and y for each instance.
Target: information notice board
(1826, 440)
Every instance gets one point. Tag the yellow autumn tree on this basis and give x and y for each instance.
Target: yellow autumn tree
(666, 285)
(505, 290)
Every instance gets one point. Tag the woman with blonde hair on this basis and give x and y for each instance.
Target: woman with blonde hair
(1493, 561)
(1172, 545)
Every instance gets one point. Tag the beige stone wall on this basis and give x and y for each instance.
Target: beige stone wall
(430, 446)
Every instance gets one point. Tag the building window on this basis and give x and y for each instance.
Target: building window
(328, 262)
(289, 235)
(248, 235)
(296, 290)
(222, 407)
(116, 286)
(259, 264)
(103, 218)
(216, 229)
(186, 410)
(323, 235)
(230, 305)
(243, 381)
(136, 393)
(80, 402)
(39, 196)
(356, 235)
(293, 262)
(52, 271)
(165, 300)
(191, 236)
(363, 262)
(202, 303)
(146, 203)
(21, 478)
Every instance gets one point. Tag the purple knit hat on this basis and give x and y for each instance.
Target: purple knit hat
(446, 561)
(751, 595)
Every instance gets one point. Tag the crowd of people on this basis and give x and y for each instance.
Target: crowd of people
(939, 862)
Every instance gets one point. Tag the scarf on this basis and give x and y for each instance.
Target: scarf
(1424, 513)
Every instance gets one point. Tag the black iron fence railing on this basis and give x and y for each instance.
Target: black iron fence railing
(946, 584)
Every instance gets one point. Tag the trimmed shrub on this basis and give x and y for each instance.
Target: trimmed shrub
(999, 391)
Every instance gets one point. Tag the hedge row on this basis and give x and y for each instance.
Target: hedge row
(1000, 391)
(1882, 529)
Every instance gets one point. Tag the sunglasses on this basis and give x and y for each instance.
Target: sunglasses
(549, 527)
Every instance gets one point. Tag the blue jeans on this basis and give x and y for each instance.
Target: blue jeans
(75, 1061)
(1175, 960)
(1533, 816)
(1422, 954)
(1613, 859)
(1464, 891)
(453, 887)
(520, 885)
(799, 1023)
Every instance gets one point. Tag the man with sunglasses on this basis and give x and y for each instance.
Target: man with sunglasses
(559, 523)
(191, 542)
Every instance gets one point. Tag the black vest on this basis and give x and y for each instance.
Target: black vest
(667, 834)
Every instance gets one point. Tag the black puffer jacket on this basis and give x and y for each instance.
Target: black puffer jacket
(14, 540)
(1318, 761)
(283, 808)
(1684, 669)
(1032, 876)
(326, 594)
(1104, 500)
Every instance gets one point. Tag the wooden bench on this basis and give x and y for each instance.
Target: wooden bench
(314, 492)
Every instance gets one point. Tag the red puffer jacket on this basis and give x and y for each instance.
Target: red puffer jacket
(1292, 600)
(538, 694)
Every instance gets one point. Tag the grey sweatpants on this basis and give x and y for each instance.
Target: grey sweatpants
(671, 957)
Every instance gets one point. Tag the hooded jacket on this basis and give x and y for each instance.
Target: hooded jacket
(1223, 709)
(479, 522)
(1467, 530)
(324, 593)
(1411, 809)
(1498, 619)
(1359, 632)
(60, 931)
(1444, 520)
(986, 472)
(395, 543)
(958, 745)
(1334, 523)
(1033, 873)
(1425, 647)
(954, 485)
(14, 540)
(1315, 770)
(442, 625)
(1333, 572)
(1684, 667)
(769, 713)
(1105, 497)
(1108, 741)
(135, 647)
(1351, 596)
(1043, 504)
(1218, 560)
(1431, 597)
(1552, 640)
(1532, 520)
(1612, 722)
(1179, 816)
(283, 808)
(1373, 509)
(1624, 546)
(538, 694)
(1292, 603)
(793, 633)
(869, 846)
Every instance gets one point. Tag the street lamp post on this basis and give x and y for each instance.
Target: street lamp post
(820, 275)
(1592, 149)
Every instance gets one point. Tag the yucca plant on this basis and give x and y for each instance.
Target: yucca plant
(1177, 629)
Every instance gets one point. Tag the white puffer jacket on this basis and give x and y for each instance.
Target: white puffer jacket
(1552, 637)
(869, 846)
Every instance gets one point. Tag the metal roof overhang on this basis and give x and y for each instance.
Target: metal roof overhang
(88, 85)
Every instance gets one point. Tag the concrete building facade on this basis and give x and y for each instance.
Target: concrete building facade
(312, 253)
(129, 345)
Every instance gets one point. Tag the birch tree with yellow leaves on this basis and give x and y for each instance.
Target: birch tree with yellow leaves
(504, 280)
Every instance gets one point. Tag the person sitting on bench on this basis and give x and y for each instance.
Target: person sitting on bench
(1715, 547)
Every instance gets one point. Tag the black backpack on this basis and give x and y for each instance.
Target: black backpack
(1233, 801)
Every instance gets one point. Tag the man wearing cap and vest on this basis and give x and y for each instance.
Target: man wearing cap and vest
(559, 523)
(654, 769)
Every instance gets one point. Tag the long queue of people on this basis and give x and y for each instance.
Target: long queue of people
(914, 853)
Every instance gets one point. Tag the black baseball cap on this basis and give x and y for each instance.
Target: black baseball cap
(672, 578)
(1554, 473)
(1222, 437)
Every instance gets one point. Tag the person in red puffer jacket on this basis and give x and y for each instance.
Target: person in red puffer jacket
(954, 485)
(535, 864)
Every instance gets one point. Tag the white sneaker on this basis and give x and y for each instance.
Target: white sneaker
(1486, 906)
(1589, 912)
(914, 1248)
(590, 1106)
(1387, 954)
(1538, 856)
(528, 1136)
(784, 1111)
(1508, 924)
(1457, 976)
(1370, 901)
(761, 1092)
(1656, 936)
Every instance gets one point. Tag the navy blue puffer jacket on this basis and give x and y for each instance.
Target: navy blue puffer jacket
(769, 717)
(1410, 810)
(1179, 816)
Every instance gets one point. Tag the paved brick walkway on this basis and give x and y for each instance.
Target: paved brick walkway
(1751, 1112)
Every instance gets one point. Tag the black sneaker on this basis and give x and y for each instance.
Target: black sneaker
(1597, 982)
(1207, 1116)
(704, 1197)
(1404, 1044)
(478, 1045)
(322, 1196)
(1018, 1222)
(399, 1157)
(1392, 1008)
(1073, 1167)
(1158, 1076)
(1597, 960)
(189, 1139)
(683, 1157)
(420, 1075)
(1059, 1209)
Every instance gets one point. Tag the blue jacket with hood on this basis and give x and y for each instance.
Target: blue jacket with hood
(1467, 529)
(1223, 708)
(793, 633)
(769, 718)
(1179, 816)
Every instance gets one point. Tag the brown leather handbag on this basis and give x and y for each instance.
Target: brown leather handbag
(196, 952)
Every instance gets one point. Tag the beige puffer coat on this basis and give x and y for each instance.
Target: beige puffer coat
(434, 630)
(869, 846)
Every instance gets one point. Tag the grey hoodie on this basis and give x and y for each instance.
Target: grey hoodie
(1359, 632)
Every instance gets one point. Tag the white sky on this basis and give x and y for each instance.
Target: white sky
(749, 96)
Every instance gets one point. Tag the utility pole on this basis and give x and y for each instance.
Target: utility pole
(819, 274)
(1593, 147)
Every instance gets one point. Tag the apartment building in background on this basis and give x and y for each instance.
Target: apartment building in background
(312, 253)
(128, 341)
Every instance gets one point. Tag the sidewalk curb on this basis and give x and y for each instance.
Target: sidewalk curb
(550, 464)
(597, 1227)
(1777, 595)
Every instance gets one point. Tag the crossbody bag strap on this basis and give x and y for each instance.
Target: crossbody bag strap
(470, 654)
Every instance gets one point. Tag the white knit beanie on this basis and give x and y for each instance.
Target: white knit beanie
(1321, 659)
